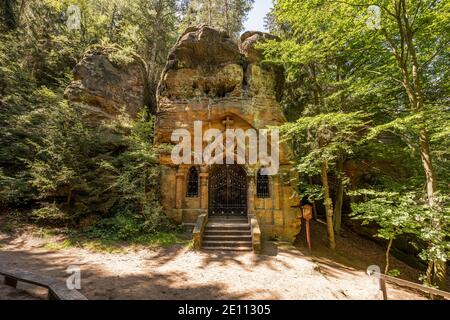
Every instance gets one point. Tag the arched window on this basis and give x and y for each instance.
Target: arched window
(262, 185)
(192, 183)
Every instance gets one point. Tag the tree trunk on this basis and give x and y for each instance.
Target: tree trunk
(405, 54)
(210, 13)
(21, 10)
(339, 198)
(227, 20)
(328, 205)
(314, 202)
(388, 252)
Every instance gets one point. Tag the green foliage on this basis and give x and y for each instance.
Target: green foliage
(394, 213)
(394, 272)
(50, 158)
(48, 213)
(396, 76)
(227, 15)
(323, 137)
(407, 213)
(127, 227)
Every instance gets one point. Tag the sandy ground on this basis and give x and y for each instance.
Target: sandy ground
(280, 272)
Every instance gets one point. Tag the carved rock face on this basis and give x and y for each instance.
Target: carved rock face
(204, 46)
(108, 82)
(209, 77)
(206, 63)
(213, 81)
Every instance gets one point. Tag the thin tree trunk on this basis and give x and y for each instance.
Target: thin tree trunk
(388, 252)
(227, 22)
(69, 197)
(440, 267)
(314, 202)
(21, 10)
(210, 13)
(406, 55)
(328, 205)
(339, 198)
(111, 28)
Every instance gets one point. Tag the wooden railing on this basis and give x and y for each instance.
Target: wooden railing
(57, 290)
(384, 278)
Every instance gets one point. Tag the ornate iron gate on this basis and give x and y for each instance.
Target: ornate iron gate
(227, 190)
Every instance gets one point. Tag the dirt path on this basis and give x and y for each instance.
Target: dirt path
(281, 272)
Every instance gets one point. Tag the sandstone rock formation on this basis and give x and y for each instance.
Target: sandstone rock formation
(210, 78)
(109, 81)
(214, 76)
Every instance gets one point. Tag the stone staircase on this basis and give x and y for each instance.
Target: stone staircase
(228, 233)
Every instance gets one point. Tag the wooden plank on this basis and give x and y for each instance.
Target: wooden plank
(61, 292)
(25, 276)
(383, 288)
(56, 290)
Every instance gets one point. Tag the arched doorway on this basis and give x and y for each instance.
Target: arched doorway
(228, 190)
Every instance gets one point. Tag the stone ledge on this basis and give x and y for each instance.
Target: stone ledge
(199, 228)
(256, 233)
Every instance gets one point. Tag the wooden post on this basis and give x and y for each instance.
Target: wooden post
(51, 295)
(308, 236)
(383, 288)
(11, 282)
(307, 215)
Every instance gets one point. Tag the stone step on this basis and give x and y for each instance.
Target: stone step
(225, 238)
(210, 244)
(228, 219)
(216, 221)
(225, 226)
(227, 232)
(226, 248)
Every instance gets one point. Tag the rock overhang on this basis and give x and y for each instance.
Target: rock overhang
(207, 63)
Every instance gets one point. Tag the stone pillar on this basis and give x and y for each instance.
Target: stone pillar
(251, 192)
(278, 216)
(276, 192)
(204, 190)
(179, 194)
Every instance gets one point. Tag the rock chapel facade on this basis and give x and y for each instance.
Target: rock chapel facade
(210, 78)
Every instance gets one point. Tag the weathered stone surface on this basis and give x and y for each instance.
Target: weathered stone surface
(209, 78)
(108, 81)
(249, 40)
(204, 46)
(204, 63)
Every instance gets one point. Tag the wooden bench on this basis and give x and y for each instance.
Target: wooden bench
(57, 290)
